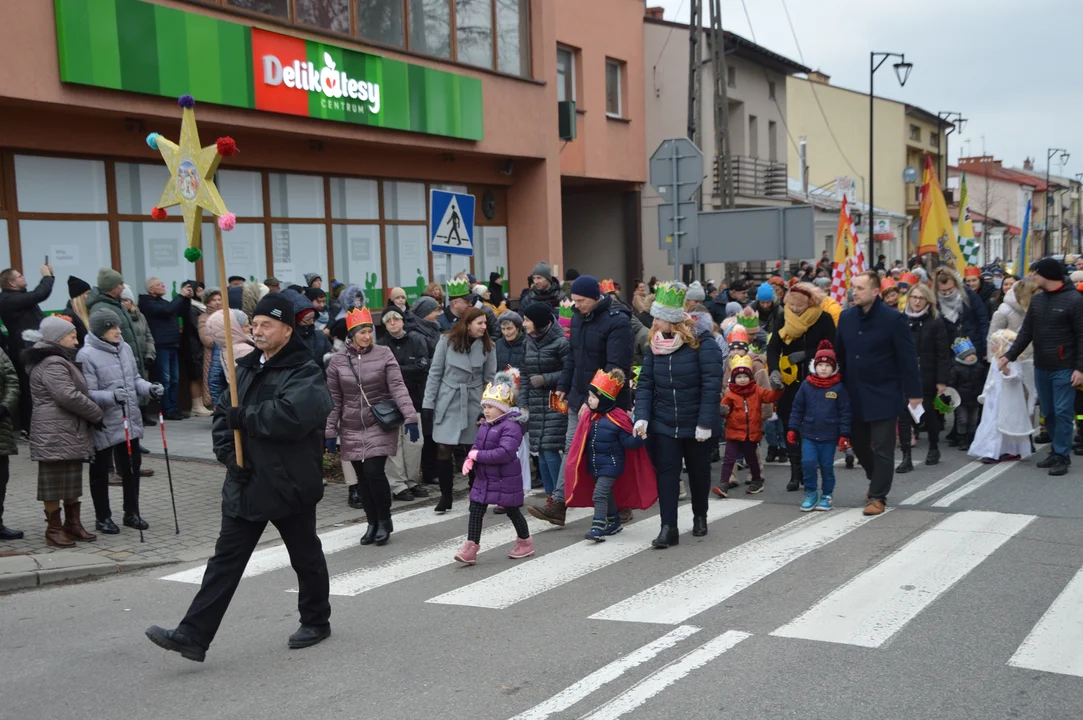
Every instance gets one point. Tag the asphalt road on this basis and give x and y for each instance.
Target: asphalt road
(963, 602)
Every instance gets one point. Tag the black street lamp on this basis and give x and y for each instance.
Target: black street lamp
(954, 121)
(902, 72)
(1048, 193)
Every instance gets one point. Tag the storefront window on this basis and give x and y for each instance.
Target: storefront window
(245, 253)
(74, 247)
(404, 201)
(242, 192)
(474, 32)
(298, 249)
(357, 260)
(69, 185)
(430, 27)
(155, 249)
(491, 253)
(408, 258)
(278, 8)
(381, 21)
(513, 36)
(5, 249)
(139, 187)
(446, 266)
(354, 199)
(296, 196)
(333, 15)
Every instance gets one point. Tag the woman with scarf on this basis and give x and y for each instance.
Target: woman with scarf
(192, 349)
(963, 311)
(213, 380)
(934, 360)
(677, 403)
(464, 363)
(805, 324)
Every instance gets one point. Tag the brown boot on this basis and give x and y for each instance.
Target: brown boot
(54, 532)
(72, 525)
(552, 512)
(875, 507)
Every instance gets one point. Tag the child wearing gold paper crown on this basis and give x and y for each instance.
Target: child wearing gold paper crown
(498, 478)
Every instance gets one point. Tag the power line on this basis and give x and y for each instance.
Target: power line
(781, 114)
(668, 35)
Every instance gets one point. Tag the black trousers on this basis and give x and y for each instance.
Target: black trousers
(932, 420)
(127, 468)
(26, 402)
(4, 474)
(236, 541)
(428, 451)
(668, 454)
(373, 487)
(874, 445)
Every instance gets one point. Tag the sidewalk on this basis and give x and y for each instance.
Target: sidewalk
(197, 483)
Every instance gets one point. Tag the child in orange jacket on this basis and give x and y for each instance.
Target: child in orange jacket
(743, 407)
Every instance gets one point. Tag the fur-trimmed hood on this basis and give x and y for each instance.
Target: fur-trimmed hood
(42, 349)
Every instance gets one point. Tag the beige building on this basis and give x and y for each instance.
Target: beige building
(838, 147)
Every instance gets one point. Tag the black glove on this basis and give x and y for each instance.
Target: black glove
(235, 418)
(238, 474)
(100, 427)
(4, 412)
(428, 415)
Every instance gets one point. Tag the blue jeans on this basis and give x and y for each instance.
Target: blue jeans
(1057, 399)
(549, 467)
(772, 431)
(167, 370)
(818, 454)
(216, 377)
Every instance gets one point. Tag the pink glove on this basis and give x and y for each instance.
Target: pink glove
(473, 455)
(468, 465)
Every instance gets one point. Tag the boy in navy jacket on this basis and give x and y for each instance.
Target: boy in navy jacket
(822, 412)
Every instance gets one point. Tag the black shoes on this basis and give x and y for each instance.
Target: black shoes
(699, 526)
(175, 416)
(1049, 461)
(907, 463)
(133, 520)
(404, 496)
(369, 536)
(419, 491)
(355, 498)
(793, 485)
(668, 536)
(849, 462)
(383, 532)
(309, 635)
(1043, 437)
(7, 533)
(933, 457)
(179, 642)
(107, 527)
(445, 503)
(1060, 467)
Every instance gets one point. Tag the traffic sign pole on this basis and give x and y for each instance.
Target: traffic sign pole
(676, 219)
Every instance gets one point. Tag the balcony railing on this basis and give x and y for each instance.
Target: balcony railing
(757, 178)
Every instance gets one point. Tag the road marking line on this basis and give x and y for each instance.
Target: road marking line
(659, 681)
(869, 609)
(554, 569)
(593, 682)
(922, 495)
(983, 479)
(401, 567)
(702, 587)
(277, 557)
(1055, 644)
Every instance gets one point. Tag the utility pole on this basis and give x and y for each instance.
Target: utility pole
(721, 106)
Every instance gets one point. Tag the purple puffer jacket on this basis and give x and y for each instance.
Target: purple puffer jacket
(498, 473)
(352, 421)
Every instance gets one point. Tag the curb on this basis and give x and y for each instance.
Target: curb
(48, 576)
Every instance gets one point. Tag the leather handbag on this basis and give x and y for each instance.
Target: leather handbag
(387, 413)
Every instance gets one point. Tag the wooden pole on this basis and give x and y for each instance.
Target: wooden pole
(227, 316)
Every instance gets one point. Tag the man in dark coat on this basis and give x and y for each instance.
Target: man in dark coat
(283, 408)
(411, 352)
(162, 317)
(421, 322)
(601, 339)
(19, 312)
(879, 366)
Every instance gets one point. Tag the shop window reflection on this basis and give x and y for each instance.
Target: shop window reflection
(381, 21)
(474, 32)
(277, 8)
(333, 15)
(430, 27)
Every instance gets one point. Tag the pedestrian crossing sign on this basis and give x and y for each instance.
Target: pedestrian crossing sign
(451, 222)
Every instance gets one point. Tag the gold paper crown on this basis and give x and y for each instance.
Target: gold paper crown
(356, 318)
(670, 295)
(607, 286)
(608, 384)
(458, 288)
(741, 362)
(498, 393)
(566, 308)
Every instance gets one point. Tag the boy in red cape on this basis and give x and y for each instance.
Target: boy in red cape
(607, 465)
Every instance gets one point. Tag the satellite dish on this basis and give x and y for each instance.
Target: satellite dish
(910, 175)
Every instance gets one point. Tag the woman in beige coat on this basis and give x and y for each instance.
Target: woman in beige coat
(1009, 316)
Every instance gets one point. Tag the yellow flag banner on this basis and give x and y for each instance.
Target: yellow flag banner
(937, 235)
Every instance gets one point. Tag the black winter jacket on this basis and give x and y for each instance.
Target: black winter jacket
(877, 361)
(510, 353)
(286, 404)
(973, 323)
(605, 447)
(682, 390)
(412, 354)
(968, 380)
(428, 331)
(934, 352)
(798, 353)
(600, 341)
(162, 317)
(1054, 323)
(19, 311)
(546, 355)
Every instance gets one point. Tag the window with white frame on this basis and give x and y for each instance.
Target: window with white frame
(565, 74)
(614, 72)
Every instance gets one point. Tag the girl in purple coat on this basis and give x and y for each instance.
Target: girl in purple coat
(498, 472)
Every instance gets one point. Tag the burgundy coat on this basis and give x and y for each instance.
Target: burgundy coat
(352, 421)
(498, 473)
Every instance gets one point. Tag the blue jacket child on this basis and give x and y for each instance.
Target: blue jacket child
(821, 412)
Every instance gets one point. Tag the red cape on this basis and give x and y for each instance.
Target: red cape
(635, 489)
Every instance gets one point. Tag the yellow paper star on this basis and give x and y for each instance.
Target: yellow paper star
(191, 177)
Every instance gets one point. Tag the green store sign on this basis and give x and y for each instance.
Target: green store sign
(145, 48)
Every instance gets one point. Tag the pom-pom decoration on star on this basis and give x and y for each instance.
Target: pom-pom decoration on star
(227, 146)
(158, 213)
(191, 181)
(227, 222)
(152, 140)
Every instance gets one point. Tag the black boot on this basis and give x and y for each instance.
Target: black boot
(795, 475)
(383, 530)
(907, 463)
(446, 476)
(370, 535)
(133, 520)
(355, 497)
(666, 537)
(699, 526)
(7, 533)
(933, 457)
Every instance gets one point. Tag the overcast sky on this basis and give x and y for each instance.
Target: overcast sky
(1006, 65)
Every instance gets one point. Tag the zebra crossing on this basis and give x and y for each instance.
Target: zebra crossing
(867, 610)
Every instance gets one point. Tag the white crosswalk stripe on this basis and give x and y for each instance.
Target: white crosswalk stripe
(940, 485)
(562, 566)
(981, 480)
(712, 582)
(871, 608)
(1056, 643)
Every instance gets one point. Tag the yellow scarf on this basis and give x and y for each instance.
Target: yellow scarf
(797, 325)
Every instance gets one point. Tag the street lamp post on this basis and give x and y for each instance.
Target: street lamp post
(1079, 212)
(902, 72)
(954, 121)
(1048, 194)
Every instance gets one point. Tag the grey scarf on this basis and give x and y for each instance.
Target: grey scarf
(952, 306)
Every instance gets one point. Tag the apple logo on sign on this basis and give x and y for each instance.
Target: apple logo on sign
(329, 77)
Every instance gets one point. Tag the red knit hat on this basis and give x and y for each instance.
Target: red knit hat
(825, 353)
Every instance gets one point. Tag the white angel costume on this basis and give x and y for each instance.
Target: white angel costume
(1005, 427)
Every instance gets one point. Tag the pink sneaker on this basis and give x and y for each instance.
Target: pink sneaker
(468, 553)
(523, 549)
